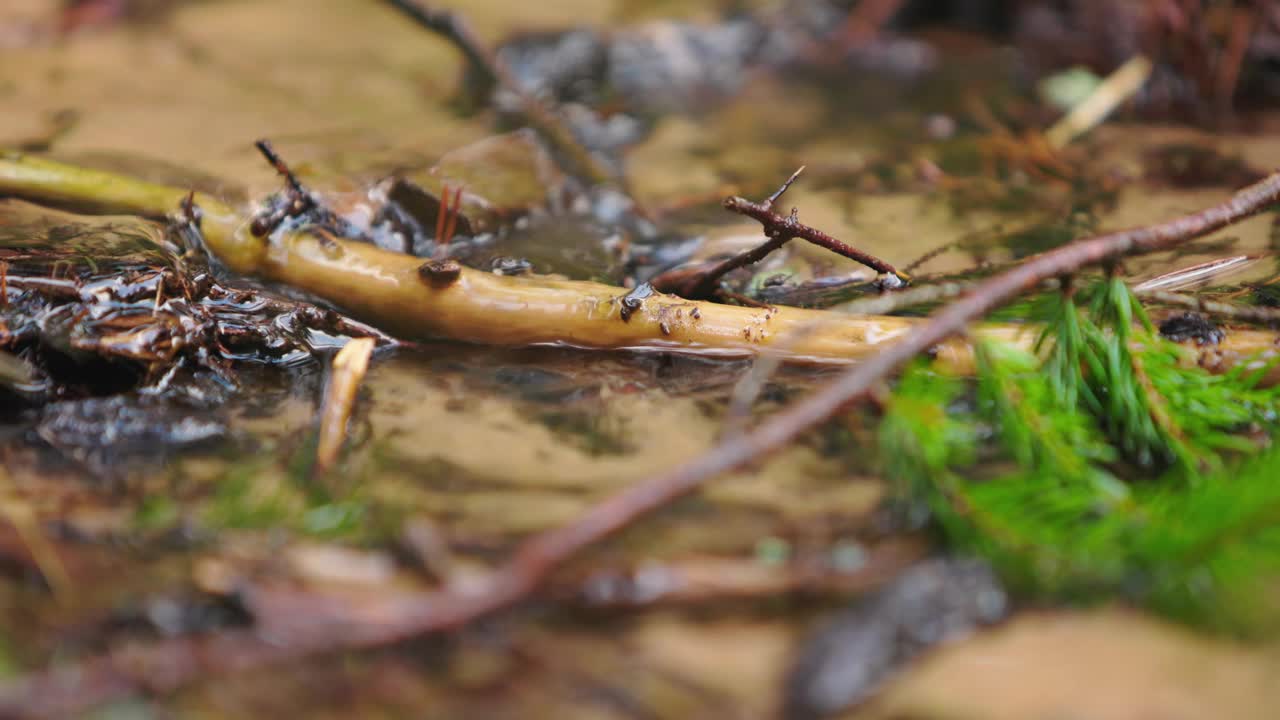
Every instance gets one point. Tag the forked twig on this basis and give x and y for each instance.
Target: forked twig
(779, 230)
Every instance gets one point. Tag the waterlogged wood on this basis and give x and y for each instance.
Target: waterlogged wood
(403, 295)
(481, 307)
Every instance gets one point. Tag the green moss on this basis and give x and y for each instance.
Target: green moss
(156, 512)
(339, 519)
(242, 501)
(8, 665)
(267, 494)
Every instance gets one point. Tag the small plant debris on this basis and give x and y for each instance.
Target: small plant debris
(634, 300)
(440, 274)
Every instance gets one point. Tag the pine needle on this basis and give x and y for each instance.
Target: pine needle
(1119, 471)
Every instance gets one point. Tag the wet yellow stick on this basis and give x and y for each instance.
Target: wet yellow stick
(392, 291)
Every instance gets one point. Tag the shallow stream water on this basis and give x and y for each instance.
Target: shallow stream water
(483, 446)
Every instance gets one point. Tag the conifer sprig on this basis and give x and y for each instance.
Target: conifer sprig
(1129, 471)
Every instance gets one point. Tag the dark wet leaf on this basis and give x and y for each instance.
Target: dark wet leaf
(95, 306)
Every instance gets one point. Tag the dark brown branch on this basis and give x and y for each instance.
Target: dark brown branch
(542, 118)
(450, 27)
(169, 664)
(779, 230)
(269, 152)
(296, 199)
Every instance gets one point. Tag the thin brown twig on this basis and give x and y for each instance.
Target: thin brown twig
(914, 265)
(728, 295)
(542, 118)
(454, 210)
(447, 219)
(892, 302)
(272, 157)
(171, 663)
(441, 212)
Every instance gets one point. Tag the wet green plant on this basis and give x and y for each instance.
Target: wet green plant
(1104, 464)
(280, 493)
(8, 665)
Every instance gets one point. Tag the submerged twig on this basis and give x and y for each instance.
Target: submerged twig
(1217, 308)
(892, 302)
(745, 393)
(542, 118)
